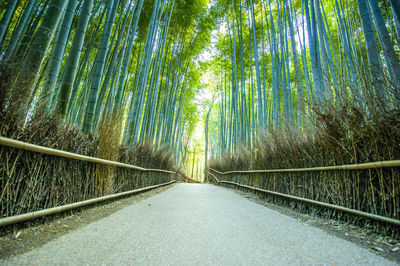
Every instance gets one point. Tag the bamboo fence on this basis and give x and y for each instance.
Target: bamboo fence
(49, 151)
(322, 204)
(371, 165)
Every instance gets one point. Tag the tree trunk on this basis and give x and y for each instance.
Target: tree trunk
(5, 20)
(73, 59)
(99, 66)
(387, 45)
(37, 52)
(58, 52)
(396, 10)
(372, 49)
(300, 94)
(18, 32)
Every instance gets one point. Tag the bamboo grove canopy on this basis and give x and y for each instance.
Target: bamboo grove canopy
(87, 61)
(137, 62)
(276, 60)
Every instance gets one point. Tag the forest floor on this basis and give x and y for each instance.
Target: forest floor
(193, 224)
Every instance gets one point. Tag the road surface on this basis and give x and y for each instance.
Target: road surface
(198, 224)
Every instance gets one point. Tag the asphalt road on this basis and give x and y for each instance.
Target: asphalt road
(193, 224)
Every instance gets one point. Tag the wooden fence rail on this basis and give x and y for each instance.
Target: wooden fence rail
(37, 214)
(36, 148)
(382, 164)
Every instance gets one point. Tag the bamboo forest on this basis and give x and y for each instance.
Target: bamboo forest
(260, 93)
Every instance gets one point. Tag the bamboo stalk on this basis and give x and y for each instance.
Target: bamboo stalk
(37, 214)
(36, 148)
(372, 165)
(323, 204)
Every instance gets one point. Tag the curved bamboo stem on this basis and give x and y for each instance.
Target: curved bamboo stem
(214, 177)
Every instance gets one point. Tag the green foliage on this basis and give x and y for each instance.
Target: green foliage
(160, 82)
(153, 99)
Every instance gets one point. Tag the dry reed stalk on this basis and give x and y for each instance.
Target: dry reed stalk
(108, 149)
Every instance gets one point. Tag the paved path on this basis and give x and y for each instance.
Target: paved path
(192, 224)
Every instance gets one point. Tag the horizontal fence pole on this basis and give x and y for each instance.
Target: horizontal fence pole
(382, 164)
(37, 214)
(323, 204)
(36, 148)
